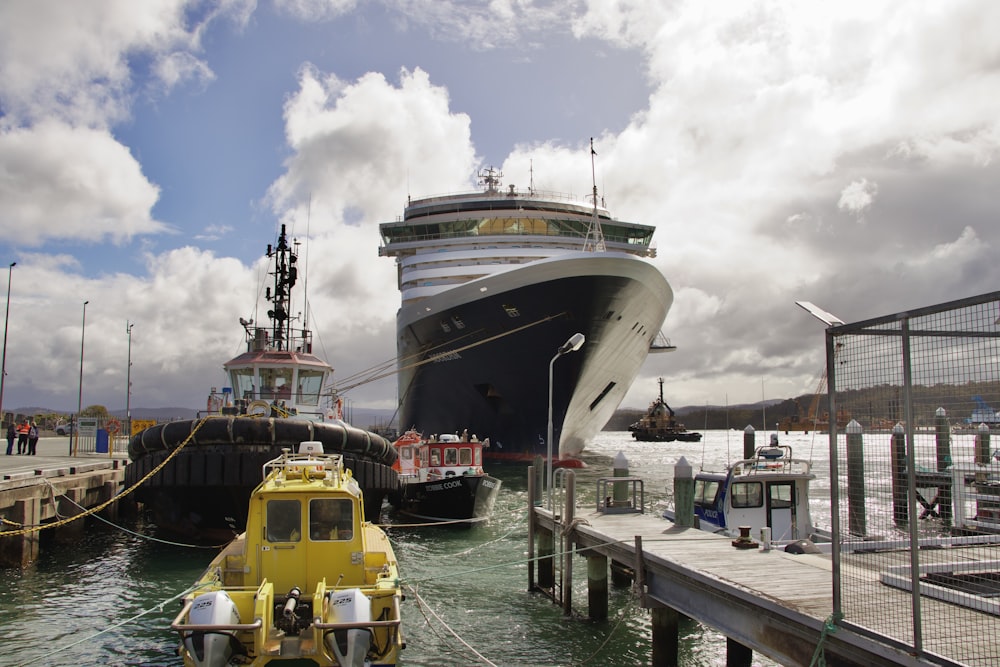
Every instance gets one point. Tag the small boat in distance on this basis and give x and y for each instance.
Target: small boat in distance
(442, 479)
(659, 425)
(309, 581)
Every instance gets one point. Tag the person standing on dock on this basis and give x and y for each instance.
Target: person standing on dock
(32, 438)
(22, 437)
(11, 435)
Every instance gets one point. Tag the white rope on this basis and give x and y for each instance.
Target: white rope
(446, 627)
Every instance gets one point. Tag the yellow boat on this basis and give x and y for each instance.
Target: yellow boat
(310, 580)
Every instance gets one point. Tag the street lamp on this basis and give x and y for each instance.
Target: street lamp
(6, 319)
(79, 398)
(128, 378)
(572, 345)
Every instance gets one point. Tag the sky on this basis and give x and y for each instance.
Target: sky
(842, 153)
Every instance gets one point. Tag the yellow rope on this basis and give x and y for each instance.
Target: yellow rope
(62, 522)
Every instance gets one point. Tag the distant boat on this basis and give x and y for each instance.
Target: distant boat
(493, 283)
(442, 479)
(277, 398)
(659, 424)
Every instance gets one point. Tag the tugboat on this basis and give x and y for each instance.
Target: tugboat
(310, 580)
(442, 479)
(659, 424)
(278, 397)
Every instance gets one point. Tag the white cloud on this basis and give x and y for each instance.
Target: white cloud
(65, 183)
(858, 196)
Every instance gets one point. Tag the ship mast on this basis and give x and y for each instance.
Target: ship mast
(285, 275)
(595, 236)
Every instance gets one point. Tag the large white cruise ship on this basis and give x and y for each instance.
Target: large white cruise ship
(493, 284)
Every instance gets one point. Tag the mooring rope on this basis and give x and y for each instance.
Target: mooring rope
(454, 634)
(24, 530)
(829, 627)
(158, 607)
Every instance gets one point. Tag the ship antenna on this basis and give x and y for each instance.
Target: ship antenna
(531, 178)
(285, 274)
(595, 236)
(305, 279)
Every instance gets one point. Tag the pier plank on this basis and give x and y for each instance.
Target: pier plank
(777, 603)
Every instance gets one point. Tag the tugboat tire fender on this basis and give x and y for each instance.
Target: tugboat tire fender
(272, 432)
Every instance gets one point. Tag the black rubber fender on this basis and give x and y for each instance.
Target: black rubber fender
(274, 432)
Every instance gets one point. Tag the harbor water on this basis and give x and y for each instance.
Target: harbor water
(109, 598)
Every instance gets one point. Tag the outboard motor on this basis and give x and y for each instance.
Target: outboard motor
(349, 646)
(212, 648)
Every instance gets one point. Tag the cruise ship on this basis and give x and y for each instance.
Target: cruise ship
(494, 283)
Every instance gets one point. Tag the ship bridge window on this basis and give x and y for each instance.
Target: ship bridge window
(284, 521)
(310, 385)
(242, 380)
(275, 383)
(747, 494)
(450, 456)
(435, 457)
(465, 456)
(331, 519)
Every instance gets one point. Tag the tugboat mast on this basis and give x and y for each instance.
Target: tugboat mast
(285, 275)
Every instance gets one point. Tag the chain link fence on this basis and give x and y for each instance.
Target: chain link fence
(915, 478)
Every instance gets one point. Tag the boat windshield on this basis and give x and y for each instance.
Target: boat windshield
(310, 384)
(331, 519)
(284, 521)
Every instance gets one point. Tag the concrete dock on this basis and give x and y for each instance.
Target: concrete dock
(47, 490)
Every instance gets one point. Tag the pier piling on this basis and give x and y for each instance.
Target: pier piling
(900, 510)
(597, 586)
(749, 442)
(683, 493)
(857, 524)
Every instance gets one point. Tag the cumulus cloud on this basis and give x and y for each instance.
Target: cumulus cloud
(64, 183)
(858, 196)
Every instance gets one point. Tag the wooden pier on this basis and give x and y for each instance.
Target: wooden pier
(772, 602)
(48, 490)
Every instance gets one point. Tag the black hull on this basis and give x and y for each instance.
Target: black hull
(685, 436)
(462, 500)
(490, 374)
(203, 492)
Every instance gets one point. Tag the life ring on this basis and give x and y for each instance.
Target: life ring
(113, 426)
(259, 408)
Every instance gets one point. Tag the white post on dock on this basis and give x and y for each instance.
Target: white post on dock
(749, 441)
(900, 511)
(856, 521)
(683, 493)
(942, 428)
(619, 492)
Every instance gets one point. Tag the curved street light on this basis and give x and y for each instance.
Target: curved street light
(6, 319)
(572, 345)
(79, 398)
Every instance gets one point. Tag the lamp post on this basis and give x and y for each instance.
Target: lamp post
(79, 398)
(6, 319)
(572, 345)
(128, 378)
